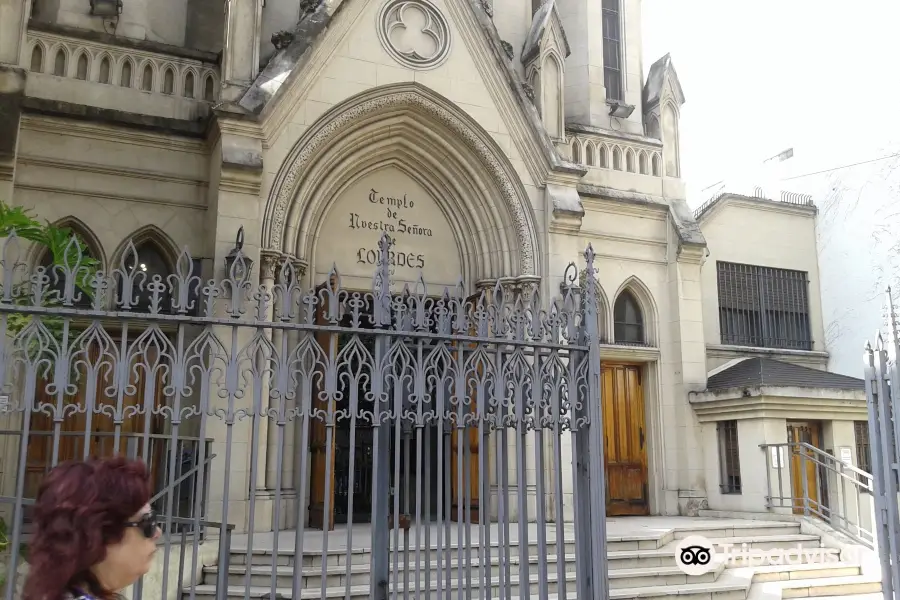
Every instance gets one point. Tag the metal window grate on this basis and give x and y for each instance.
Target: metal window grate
(612, 50)
(863, 453)
(729, 457)
(763, 307)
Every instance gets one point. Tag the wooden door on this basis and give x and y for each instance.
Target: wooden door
(100, 440)
(625, 440)
(471, 438)
(321, 476)
(803, 463)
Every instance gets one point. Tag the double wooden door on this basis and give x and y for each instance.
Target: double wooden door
(625, 440)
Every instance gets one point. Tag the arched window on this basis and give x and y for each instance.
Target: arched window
(57, 286)
(629, 322)
(151, 262)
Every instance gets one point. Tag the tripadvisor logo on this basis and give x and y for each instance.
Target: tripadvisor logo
(696, 555)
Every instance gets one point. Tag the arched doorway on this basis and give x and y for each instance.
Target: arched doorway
(405, 162)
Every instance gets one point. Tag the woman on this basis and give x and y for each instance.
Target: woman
(94, 531)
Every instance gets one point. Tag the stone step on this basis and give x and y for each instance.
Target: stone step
(831, 586)
(644, 543)
(735, 589)
(359, 574)
(763, 528)
(362, 556)
(361, 592)
(806, 571)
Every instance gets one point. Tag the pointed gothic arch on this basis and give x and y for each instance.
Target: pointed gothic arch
(41, 256)
(603, 315)
(79, 228)
(473, 182)
(147, 234)
(634, 290)
(155, 254)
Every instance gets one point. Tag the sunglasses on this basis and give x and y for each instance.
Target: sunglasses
(147, 525)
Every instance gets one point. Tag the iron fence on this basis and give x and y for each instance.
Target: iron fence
(882, 374)
(364, 444)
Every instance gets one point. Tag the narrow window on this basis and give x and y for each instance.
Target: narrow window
(189, 85)
(208, 89)
(81, 71)
(147, 81)
(125, 80)
(863, 453)
(612, 50)
(59, 67)
(729, 458)
(37, 59)
(104, 70)
(169, 82)
(629, 322)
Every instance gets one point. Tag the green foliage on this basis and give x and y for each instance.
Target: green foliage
(65, 252)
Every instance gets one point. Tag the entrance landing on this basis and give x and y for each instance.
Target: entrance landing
(359, 537)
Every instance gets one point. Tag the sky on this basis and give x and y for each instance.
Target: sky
(763, 76)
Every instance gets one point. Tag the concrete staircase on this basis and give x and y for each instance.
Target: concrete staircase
(641, 561)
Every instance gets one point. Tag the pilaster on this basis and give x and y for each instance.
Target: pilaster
(12, 92)
(240, 56)
(13, 25)
(688, 353)
(234, 202)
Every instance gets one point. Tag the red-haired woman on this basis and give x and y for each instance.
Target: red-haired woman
(95, 533)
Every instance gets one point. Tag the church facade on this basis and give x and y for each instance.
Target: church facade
(492, 140)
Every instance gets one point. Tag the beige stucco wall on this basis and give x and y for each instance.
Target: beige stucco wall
(762, 233)
(114, 182)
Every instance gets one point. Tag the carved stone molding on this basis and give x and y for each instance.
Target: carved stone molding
(285, 190)
(269, 262)
(528, 286)
(427, 34)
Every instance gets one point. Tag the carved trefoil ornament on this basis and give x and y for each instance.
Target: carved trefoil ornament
(414, 33)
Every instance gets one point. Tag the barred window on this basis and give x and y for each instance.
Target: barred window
(729, 457)
(863, 452)
(763, 307)
(612, 50)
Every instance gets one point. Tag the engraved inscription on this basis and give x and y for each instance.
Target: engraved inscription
(397, 217)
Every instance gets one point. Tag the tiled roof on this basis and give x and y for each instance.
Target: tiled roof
(754, 372)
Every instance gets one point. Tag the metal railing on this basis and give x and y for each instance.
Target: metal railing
(755, 192)
(187, 533)
(174, 463)
(812, 482)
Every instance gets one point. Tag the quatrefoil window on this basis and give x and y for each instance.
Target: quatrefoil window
(414, 32)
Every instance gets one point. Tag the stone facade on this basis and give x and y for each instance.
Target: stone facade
(480, 134)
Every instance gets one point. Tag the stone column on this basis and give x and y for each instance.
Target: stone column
(240, 56)
(268, 430)
(527, 287)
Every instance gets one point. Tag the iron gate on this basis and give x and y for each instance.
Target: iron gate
(465, 428)
(882, 375)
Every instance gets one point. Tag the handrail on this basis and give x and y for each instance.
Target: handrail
(171, 486)
(831, 478)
